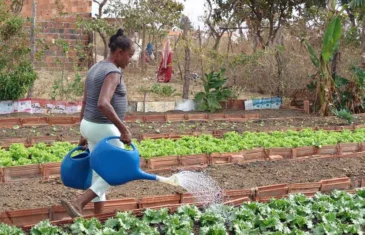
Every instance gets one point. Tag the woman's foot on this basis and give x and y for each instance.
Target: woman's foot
(72, 210)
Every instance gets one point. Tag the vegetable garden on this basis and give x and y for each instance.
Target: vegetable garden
(337, 213)
(283, 163)
(298, 169)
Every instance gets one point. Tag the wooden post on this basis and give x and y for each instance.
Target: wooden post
(306, 107)
(187, 60)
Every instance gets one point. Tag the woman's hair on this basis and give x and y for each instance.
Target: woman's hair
(119, 40)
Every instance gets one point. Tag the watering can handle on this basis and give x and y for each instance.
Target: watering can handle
(118, 137)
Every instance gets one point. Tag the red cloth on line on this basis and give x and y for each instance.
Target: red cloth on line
(165, 69)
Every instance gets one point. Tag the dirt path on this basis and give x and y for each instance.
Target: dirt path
(32, 193)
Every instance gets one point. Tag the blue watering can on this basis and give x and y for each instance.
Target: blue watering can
(75, 171)
(115, 165)
(118, 166)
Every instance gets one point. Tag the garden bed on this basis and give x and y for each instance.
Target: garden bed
(339, 213)
(184, 127)
(33, 193)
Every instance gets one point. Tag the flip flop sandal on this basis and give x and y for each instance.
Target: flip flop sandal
(70, 209)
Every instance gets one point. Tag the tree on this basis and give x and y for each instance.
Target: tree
(360, 6)
(181, 24)
(271, 14)
(325, 82)
(155, 16)
(219, 18)
(187, 60)
(16, 71)
(99, 25)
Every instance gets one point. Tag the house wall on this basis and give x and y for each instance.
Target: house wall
(52, 26)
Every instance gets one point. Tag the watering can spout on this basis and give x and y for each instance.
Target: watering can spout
(173, 180)
(145, 176)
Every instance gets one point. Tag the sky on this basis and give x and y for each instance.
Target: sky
(192, 8)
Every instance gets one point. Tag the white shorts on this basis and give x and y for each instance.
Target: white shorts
(94, 133)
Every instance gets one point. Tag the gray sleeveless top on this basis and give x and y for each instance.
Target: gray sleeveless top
(94, 81)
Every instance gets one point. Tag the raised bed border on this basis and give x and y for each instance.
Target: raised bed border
(73, 120)
(47, 171)
(29, 217)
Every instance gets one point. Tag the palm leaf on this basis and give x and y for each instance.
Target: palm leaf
(357, 3)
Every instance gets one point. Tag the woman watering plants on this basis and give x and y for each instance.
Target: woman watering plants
(103, 109)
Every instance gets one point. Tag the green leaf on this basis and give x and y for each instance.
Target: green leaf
(331, 38)
(312, 53)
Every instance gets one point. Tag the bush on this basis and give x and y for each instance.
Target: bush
(16, 71)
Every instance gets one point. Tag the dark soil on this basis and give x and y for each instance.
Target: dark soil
(192, 126)
(32, 193)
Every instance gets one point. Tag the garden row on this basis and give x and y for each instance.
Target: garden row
(162, 155)
(72, 120)
(49, 139)
(303, 208)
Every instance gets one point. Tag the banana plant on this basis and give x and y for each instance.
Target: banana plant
(325, 85)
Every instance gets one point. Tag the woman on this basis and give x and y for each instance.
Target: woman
(165, 69)
(103, 109)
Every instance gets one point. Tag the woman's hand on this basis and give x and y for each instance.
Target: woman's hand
(83, 142)
(126, 136)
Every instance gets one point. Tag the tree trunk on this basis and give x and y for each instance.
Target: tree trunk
(351, 17)
(201, 53)
(143, 48)
(258, 40)
(216, 43)
(334, 65)
(32, 40)
(363, 44)
(176, 53)
(326, 90)
(187, 60)
(105, 42)
(279, 42)
(229, 46)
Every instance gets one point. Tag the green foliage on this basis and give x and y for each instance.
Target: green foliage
(324, 84)
(18, 154)
(16, 72)
(166, 90)
(352, 37)
(10, 230)
(357, 4)
(187, 145)
(335, 213)
(312, 54)
(344, 114)
(155, 216)
(158, 15)
(350, 93)
(86, 226)
(69, 89)
(46, 228)
(331, 39)
(214, 92)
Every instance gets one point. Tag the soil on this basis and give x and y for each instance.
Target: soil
(32, 193)
(294, 119)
